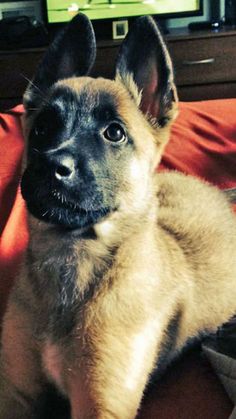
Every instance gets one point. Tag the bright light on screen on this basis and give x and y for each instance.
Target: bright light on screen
(63, 10)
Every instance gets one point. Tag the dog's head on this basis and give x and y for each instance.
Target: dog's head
(93, 144)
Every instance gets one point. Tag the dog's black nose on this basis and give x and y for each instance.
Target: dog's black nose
(60, 166)
(64, 167)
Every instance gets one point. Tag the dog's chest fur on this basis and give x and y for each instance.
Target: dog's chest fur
(63, 276)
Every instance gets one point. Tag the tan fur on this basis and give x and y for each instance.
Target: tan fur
(170, 250)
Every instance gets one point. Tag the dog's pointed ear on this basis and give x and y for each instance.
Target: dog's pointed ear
(72, 53)
(144, 66)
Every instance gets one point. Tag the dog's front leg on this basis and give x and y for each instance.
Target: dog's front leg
(20, 374)
(108, 377)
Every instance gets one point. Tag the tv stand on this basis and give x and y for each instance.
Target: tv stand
(204, 62)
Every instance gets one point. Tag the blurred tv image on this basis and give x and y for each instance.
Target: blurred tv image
(63, 11)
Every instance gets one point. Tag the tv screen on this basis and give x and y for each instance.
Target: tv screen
(59, 11)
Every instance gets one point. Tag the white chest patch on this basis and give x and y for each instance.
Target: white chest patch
(142, 355)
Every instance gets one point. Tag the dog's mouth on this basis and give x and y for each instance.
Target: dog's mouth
(67, 214)
(55, 207)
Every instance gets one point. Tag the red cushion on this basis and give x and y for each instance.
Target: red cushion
(13, 228)
(203, 143)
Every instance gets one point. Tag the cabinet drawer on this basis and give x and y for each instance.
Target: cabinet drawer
(202, 61)
(207, 91)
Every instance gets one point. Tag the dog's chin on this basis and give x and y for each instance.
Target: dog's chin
(67, 218)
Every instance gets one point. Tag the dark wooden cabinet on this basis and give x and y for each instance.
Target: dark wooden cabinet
(204, 63)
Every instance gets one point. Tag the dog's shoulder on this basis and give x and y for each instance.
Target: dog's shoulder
(187, 194)
(196, 213)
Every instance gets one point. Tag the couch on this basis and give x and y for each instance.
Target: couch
(202, 143)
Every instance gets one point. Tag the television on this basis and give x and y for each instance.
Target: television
(103, 12)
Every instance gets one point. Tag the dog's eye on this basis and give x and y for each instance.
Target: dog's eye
(115, 133)
(41, 129)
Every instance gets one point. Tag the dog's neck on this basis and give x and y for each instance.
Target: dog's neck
(109, 232)
(53, 245)
(67, 268)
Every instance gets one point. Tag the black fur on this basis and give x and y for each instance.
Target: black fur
(167, 352)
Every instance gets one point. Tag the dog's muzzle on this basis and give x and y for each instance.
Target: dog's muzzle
(56, 192)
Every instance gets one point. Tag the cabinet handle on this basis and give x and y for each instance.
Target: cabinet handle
(195, 62)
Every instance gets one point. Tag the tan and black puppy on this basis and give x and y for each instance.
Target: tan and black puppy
(124, 266)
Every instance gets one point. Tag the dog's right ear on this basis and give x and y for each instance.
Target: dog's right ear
(144, 66)
(72, 53)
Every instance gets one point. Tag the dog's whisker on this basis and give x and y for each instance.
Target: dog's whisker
(45, 213)
(40, 92)
(36, 150)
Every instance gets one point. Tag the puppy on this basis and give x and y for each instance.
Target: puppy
(124, 265)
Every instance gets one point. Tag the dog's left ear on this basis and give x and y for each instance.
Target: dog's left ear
(72, 53)
(144, 66)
